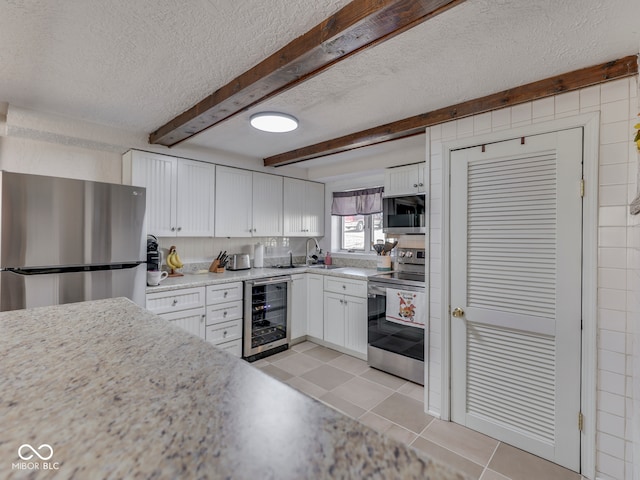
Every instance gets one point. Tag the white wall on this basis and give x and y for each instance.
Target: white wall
(618, 234)
(25, 155)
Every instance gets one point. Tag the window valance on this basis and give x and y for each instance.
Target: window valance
(357, 202)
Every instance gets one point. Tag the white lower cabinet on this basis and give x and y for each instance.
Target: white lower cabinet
(315, 306)
(355, 324)
(334, 328)
(184, 307)
(224, 317)
(298, 306)
(190, 320)
(345, 321)
(345, 313)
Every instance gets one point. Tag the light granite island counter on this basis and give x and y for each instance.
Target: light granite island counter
(105, 389)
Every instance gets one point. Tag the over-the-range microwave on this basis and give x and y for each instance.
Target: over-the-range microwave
(404, 214)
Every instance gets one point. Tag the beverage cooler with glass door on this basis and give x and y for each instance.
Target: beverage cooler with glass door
(267, 317)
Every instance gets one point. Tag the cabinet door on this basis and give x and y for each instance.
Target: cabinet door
(233, 202)
(267, 205)
(193, 321)
(313, 221)
(294, 206)
(422, 177)
(157, 173)
(195, 199)
(356, 324)
(298, 306)
(401, 180)
(315, 306)
(334, 315)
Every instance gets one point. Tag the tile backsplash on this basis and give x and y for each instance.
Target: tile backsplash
(198, 253)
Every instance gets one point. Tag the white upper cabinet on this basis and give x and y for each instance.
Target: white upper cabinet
(195, 199)
(189, 198)
(303, 208)
(233, 202)
(248, 203)
(405, 180)
(268, 212)
(179, 196)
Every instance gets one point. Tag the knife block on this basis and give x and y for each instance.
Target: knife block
(215, 267)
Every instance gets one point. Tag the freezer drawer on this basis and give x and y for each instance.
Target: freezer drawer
(19, 291)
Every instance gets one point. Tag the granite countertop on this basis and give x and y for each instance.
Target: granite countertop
(204, 279)
(117, 392)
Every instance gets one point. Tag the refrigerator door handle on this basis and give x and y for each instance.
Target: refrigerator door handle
(71, 269)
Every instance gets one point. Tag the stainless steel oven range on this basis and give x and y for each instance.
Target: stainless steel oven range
(396, 312)
(267, 317)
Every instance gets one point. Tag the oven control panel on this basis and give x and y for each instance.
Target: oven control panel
(411, 256)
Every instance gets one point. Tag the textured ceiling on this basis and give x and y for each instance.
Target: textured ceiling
(136, 65)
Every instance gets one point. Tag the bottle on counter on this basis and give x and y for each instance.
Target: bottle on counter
(327, 258)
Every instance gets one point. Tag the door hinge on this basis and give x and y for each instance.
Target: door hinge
(582, 187)
(580, 421)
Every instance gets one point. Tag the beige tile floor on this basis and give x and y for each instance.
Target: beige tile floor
(394, 407)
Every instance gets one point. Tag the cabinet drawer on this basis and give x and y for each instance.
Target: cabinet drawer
(234, 348)
(226, 292)
(224, 312)
(175, 300)
(224, 332)
(356, 288)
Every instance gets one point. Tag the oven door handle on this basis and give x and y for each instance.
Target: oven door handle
(381, 289)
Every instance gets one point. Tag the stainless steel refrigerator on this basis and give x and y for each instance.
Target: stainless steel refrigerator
(64, 241)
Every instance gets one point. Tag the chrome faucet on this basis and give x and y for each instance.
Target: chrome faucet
(308, 257)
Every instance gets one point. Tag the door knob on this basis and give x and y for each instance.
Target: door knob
(458, 312)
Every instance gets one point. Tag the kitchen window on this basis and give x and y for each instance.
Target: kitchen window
(359, 216)
(359, 231)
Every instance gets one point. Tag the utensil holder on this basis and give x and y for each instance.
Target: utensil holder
(384, 263)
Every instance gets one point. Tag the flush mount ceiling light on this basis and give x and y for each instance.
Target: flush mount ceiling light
(274, 122)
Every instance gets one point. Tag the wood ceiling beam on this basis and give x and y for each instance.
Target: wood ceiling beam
(407, 127)
(357, 26)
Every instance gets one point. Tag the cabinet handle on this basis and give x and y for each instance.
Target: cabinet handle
(344, 287)
(224, 334)
(225, 294)
(341, 301)
(420, 184)
(173, 229)
(224, 314)
(175, 302)
(179, 229)
(202, 318)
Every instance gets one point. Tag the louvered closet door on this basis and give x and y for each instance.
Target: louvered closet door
(516, 236)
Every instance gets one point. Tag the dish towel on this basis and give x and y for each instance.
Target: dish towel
(405, 307)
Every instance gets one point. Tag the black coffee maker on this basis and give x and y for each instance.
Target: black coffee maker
(154, 258)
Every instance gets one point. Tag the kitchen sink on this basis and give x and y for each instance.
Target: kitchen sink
(288, 266)
(325, 267)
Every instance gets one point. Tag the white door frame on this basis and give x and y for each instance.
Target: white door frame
(590, 123)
